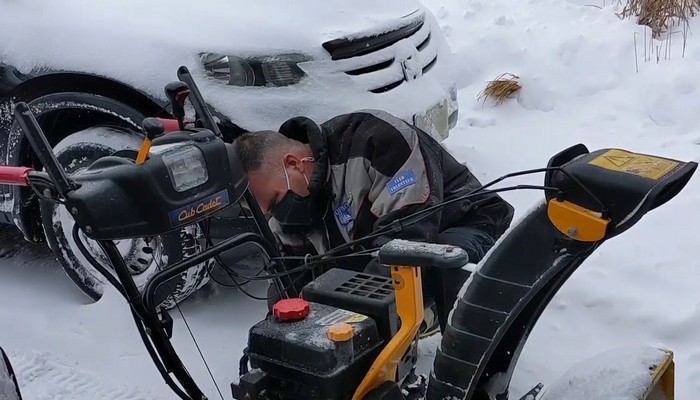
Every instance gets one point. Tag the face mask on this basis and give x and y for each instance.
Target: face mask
(295, 213)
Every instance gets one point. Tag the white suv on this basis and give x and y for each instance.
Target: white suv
(398, 60)
(267, 61)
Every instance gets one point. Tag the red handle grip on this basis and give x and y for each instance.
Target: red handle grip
(15, 176)
(170, 125)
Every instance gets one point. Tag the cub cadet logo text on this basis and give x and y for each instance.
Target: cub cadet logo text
(199, 208)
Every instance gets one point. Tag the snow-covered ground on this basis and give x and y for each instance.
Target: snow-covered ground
(578, 66)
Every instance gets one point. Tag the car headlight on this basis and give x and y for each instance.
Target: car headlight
(277, 70)
(186, 167)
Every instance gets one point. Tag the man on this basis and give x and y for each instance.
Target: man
(351, 177)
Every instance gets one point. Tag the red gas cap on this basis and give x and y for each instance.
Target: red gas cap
(291, 309)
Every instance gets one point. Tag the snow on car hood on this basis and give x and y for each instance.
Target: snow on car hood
(143, 42)
(115, 36)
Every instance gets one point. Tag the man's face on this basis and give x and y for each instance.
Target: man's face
(270, 183)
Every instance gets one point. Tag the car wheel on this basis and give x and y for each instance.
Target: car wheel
(143, 256)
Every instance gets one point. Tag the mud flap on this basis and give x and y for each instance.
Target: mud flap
(9, 389)
(628, 373)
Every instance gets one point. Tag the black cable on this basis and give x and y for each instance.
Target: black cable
(171, 292)
(306, 266)
(395, 226)
(138, 320)
(419, 215)
(328, 256)
(284, 289)
(233, 275)
(155, 357)
(254, 297)
(199, 350)
(302, 268)
(318, 259)
(95, 264)
(400, 223)
(217, 257)
(38, 181)
(546, 169)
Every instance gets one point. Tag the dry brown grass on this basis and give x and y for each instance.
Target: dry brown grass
(660, 15)
(501, 88)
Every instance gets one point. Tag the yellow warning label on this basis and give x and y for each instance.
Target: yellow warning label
(635, 164)
(355, 318)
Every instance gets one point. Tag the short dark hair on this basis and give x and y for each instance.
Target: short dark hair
(255, 148)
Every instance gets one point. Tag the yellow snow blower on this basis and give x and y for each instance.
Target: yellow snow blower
(350, 335)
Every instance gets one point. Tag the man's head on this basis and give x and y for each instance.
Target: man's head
(274, 164)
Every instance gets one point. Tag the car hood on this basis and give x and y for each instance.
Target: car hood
(243, 27)
(142, 43)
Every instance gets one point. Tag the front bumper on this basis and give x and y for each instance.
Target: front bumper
(438, 119)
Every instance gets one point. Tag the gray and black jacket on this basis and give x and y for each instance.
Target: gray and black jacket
(383, 169)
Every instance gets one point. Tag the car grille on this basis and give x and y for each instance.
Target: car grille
(372, 62)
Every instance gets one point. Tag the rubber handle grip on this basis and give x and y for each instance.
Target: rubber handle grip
(15, 176)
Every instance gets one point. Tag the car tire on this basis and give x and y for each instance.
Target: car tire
(144, 256)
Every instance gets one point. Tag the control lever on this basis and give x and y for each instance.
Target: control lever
(200, 106)
(177, 93)
(153, 127)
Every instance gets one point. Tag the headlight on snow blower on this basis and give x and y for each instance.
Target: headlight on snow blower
(186, 167)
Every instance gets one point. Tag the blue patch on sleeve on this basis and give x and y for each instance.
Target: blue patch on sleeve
(343, 214)
(402, 181)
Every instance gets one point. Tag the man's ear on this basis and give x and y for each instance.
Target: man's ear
(291, 160)
(307, 131)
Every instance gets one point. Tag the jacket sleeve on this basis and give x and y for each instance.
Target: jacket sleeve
(404, 179)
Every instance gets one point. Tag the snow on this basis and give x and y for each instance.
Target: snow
(224, 25)
(578, 67)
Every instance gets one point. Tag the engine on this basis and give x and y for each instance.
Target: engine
(321, 345)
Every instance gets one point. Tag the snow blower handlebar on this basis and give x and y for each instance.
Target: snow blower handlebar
(200, 106)
(52, 185)
(42, 149)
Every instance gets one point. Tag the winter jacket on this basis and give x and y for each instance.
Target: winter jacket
(382, 169)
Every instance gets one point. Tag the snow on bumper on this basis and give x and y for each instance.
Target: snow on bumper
(426, 105)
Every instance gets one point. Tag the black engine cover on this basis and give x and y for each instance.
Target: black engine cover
(305, 363)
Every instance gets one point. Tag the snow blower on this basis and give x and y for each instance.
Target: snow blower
(351, 335)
